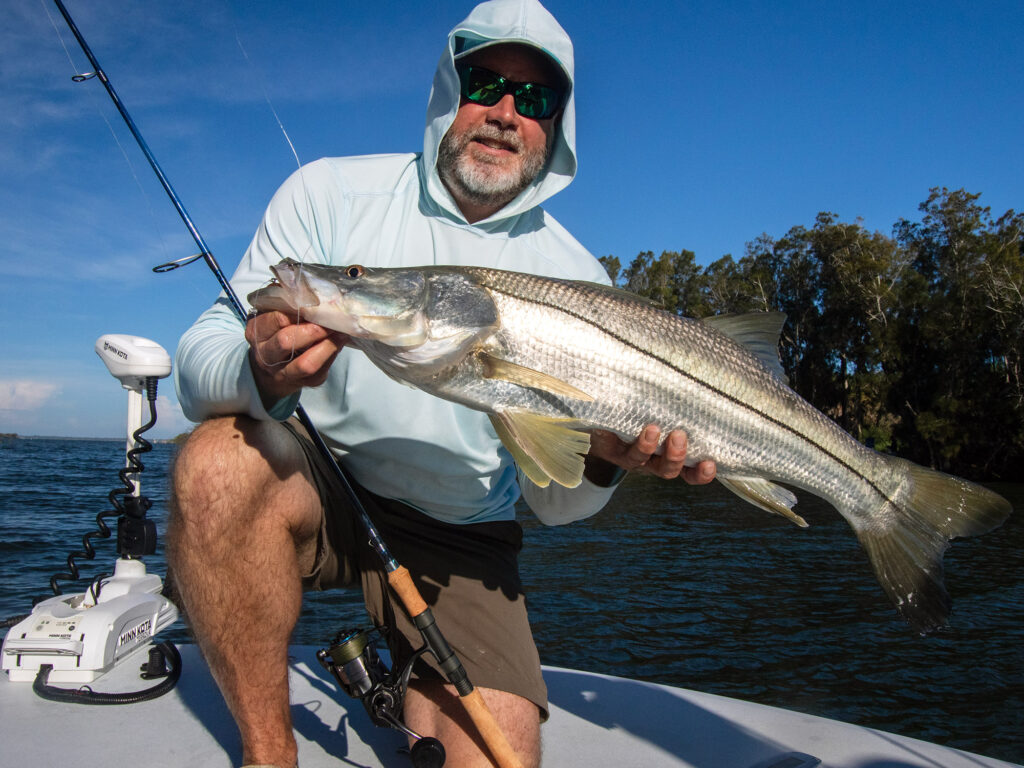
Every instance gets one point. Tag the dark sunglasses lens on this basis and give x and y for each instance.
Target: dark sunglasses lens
(481, 86)
(536, 101)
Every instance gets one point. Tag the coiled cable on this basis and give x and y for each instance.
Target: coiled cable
(133, 466)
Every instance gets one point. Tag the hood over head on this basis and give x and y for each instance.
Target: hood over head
(503, 21)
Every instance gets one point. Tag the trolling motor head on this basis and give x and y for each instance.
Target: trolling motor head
(133, 359)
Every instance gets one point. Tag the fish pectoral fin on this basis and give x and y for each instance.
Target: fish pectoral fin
(757, 331)
(497, 368)
(766, 495)
(545, 448)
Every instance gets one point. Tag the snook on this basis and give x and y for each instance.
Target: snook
(549, 359)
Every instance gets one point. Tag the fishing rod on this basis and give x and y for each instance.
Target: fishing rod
(398, 576)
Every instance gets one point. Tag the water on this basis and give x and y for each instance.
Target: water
(678, 585)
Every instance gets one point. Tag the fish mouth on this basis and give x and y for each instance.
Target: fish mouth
(287, 291)
(291, 280)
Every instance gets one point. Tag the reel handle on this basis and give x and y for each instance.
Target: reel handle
(427, 752)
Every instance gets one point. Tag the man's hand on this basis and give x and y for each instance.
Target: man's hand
(286, 356)
(639, 456)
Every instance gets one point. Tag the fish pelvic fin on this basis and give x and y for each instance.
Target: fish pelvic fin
(545, 448)
(765, 495)
(906, 554)
(497, 368)
(757, 331)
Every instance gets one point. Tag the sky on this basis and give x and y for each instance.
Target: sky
(701, 126)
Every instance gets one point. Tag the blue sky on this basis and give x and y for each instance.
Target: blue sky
(701, 126)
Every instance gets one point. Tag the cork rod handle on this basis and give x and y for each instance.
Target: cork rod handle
(472, 701)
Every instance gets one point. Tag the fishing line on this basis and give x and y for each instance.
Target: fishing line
(262, 82)
(266, 97)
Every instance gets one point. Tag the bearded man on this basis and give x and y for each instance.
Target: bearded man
(257, 516)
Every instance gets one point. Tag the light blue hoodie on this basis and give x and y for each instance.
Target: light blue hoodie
(390, 211)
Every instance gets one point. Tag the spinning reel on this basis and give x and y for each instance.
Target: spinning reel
(363, 675)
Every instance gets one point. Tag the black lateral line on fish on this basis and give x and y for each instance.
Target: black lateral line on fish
(700, 382)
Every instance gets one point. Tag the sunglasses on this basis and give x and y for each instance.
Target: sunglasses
(481, 86)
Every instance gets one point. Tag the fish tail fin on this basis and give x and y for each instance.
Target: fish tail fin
(906, 551)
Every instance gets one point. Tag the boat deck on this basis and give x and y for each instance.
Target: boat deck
(595, 720)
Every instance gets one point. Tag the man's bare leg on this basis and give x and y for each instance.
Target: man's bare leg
(243, 528)
(433, 709)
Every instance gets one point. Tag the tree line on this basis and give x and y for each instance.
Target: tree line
(912, 342)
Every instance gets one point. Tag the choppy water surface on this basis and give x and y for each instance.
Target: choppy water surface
(678, 585)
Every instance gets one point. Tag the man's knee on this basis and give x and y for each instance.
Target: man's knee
(222, 442)
(228, 464)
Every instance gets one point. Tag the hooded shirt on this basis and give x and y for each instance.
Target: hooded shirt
(393, 211)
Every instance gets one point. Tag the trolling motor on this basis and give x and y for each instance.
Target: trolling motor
(353, 660)
(79, 638)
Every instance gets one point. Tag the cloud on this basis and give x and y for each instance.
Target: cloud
(170, 419)
(25, 394)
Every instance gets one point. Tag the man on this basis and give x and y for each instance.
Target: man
(257, 517)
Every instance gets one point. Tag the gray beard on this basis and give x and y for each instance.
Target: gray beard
(482, 183)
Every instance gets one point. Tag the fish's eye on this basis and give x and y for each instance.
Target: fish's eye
(354, 271)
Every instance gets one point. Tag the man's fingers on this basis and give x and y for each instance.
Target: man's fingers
(675, 448)
(640, 455)
(292, 342)
(264, 326)
(640, 452)
(310, 368)
(278, 340)
(647, 442)
(671, 461)
(702, 474)
(265, 334)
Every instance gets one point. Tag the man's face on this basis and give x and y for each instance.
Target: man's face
(490, 154)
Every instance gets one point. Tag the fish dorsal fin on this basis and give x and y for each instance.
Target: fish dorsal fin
(497, 368)
(545, 448)
(757, 331)
(766, 495)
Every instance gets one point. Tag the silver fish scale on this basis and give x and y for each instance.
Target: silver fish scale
(643, 365)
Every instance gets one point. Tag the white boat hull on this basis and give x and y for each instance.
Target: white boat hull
(596, 720)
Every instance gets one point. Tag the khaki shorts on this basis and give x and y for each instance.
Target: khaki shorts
(468, 574)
